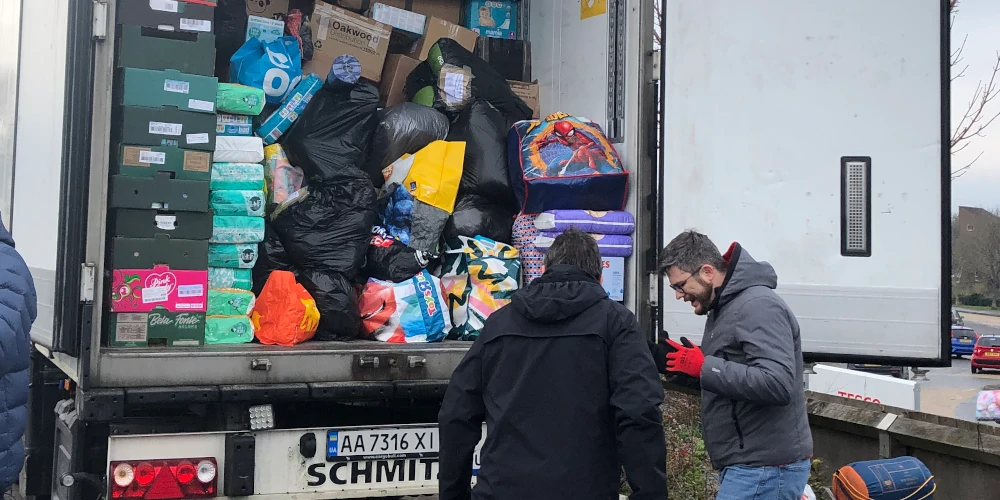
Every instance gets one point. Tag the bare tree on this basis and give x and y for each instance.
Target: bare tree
(980, 252)
(977, 118)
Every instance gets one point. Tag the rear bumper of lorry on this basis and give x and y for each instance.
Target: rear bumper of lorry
(313, 363)
(297, 463)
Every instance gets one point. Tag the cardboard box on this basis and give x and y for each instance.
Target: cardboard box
(238, 125)
(264, 28)
(165, 127)
(179, 15)
(400, 19)
(150, 48)
(528, 92)
(267, 8)
(407, 27)
(397, 68)
(166, 88)
(337, 32)
(613, 277)
(449, 10)
(174, 290)
(146, 161)
(492, 18)
(156, 329)
(511, 58)
(131, 223)
(159, 193)
(439, 28)
(160, 250)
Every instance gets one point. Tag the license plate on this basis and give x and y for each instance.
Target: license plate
(381, 444)
(992, 354)
(351, 472)
(965, 341)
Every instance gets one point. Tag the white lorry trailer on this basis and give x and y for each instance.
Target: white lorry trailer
(815, 134)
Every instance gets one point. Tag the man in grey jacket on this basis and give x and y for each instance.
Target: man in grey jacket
(749, 366)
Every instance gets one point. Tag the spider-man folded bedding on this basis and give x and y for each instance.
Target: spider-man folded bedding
(564, 162)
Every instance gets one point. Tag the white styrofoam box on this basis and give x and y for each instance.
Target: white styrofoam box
(852, 384)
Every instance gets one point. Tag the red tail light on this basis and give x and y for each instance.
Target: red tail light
(174, 479)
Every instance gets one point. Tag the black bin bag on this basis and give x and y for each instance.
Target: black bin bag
(403, 128)
(332, 134)
(484, 130)
(271, 256)
(326, 231)
(485, 83)
(476, 216)
(230, 33)
(391, 260)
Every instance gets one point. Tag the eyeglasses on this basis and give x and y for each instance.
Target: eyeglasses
(680, 286)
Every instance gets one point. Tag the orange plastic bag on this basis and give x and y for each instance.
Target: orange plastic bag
(285, 314)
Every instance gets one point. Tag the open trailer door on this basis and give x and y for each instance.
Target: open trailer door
(815, 133)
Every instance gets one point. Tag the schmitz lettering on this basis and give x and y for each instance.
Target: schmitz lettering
(374, 472)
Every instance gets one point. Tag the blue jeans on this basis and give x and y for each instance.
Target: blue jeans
(785, 482)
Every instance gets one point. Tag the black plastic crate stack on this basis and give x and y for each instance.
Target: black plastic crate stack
(163, 135)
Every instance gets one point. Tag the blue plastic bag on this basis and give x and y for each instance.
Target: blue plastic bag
(275, 67)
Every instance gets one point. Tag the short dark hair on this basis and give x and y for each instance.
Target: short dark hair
(689, 251)
(575, 248)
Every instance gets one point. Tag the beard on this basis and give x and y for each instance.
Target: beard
(703, 298)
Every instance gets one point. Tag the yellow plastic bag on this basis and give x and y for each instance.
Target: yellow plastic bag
(430, 175)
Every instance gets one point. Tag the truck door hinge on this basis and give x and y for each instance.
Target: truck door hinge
(654, 289)
(88, 277)
(657, 72)
(100, 28)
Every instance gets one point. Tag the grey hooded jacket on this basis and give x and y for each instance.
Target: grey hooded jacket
(753, 409)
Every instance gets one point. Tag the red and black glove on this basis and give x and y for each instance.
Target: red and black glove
(686, 359)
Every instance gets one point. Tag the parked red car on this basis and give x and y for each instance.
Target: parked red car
(986, 355)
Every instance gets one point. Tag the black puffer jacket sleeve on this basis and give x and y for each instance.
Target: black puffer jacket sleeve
(636, 395)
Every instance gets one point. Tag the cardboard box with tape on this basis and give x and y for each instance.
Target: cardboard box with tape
(439, 28)
(338, 32)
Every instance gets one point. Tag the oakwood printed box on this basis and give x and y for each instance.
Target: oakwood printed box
(172, 329)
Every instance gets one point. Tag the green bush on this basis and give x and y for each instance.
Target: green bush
(689, 471)
(975, 300)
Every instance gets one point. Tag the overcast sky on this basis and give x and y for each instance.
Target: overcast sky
(979, 19)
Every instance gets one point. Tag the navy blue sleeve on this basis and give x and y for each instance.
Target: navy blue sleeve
(636, 396)
(460, 423)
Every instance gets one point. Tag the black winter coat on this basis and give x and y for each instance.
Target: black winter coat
(569, 392)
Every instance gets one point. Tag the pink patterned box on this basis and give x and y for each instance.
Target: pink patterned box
(143, 290)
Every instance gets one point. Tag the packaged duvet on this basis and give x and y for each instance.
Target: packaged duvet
(239, 149)
(239, 99)
(232, 256)
(246, 203)
(237, 176)
(227, 277)
(236, 229)
(230, 302)
(228, 330)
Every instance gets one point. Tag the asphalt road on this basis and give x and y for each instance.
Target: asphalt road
(951, 392)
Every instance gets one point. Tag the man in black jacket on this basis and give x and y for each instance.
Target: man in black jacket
(568, 389)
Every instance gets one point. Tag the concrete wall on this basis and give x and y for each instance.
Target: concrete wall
(963, 456)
